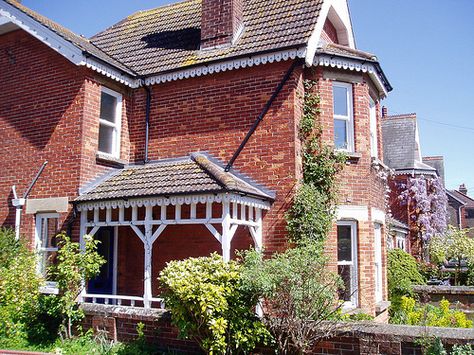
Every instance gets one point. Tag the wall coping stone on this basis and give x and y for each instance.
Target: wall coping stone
(135, 313)
(453, 290)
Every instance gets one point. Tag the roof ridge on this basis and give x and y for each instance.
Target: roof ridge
(213, 170)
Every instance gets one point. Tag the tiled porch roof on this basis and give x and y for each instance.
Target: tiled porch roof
(195, 174)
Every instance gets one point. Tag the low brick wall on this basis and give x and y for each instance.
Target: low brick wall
(462, 294)
(364, 338)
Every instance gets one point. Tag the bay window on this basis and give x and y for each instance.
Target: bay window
(343, 116)
(373, 129)
(110, 122)
(347, 261)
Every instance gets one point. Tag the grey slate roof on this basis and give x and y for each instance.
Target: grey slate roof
(168, 37)
(436, 163)
(401, 150)
(395, 223)
(188, 175)
(468, 201)
(79, 41)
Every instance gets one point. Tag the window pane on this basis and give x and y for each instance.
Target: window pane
(344, 243)
(340, 101)
(46, 260)
(49, 230)
(340, 134)
(108, 104)
(106, 139)
(345, 273)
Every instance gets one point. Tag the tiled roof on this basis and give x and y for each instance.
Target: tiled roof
(79, 41)
(468, 202)
(168, 37)
(400, 147)
(189, 175)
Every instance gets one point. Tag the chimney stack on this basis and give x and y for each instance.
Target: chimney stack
(384, 111)
(463, 189)
(221, 20)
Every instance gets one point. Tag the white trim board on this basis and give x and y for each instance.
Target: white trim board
(378, 215)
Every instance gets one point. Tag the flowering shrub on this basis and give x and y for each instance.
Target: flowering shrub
(427, 204)
(411, 313)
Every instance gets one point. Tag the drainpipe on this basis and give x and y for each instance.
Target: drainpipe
(260, 117)
(147, 121)
(18, 203)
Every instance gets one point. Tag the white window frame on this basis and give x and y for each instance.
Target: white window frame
(374, 140)
(117, 125)
(378, 262)
(349, 118)
(354, 302)
(40, 217)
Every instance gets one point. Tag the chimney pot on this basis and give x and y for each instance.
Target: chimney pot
(384, 111)
(463, 189)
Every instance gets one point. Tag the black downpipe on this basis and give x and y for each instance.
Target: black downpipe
(40, 171)
(260, 117)
(147, 122)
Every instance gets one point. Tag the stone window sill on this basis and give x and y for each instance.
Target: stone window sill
(353, 157)
(110, 160)
(382, 306)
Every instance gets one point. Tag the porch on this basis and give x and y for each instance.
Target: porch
(139, 234)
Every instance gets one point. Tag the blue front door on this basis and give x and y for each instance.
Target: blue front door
(103, 283)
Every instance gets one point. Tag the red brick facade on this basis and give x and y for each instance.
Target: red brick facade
(49, 110)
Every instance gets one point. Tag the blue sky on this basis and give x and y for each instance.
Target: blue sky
(426, 48)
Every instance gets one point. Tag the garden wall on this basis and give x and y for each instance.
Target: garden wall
(120, 323)
(462, 294)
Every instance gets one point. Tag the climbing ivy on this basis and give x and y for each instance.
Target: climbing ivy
(313, 209)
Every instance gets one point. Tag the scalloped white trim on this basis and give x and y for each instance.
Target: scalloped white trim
(110, 73)
(334, 61)
(175, 200)
(227, 65)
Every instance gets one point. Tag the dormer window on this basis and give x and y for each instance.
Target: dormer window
(343, 117)
(109, 122)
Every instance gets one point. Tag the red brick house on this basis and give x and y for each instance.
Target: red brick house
(461, 209)
(139, 123)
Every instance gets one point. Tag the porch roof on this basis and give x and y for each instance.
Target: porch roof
(194, 174)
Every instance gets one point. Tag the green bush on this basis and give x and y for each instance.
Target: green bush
(299, 290)
(402, 273)
(208, 304)
(410, 313)
(19, 285)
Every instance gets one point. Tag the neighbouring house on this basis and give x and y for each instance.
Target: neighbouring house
(397, 236)
(461, 208)
(411, 175)
(139, 123)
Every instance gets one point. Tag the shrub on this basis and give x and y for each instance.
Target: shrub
(72, 268)
(402, 273)
(299, 291)
(208, 304)
(411, 313)
(19, 285)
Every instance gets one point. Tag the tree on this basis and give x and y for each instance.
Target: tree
(455, 245)
(299, 291)
(72, 268)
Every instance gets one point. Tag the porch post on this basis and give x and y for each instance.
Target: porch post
(148, 244)
(82, 244)
(226, 234)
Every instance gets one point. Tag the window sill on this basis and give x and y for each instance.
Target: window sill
(377, 163)
(352, 157)
(382, 306)
(110, 160)
(50, 288)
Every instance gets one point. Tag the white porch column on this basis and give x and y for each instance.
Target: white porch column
(82, 244)
(226, 233)
(148, 244)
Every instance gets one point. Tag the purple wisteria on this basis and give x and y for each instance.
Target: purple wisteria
(427, 205)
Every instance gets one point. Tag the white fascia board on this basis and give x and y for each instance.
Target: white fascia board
(342, 10)
(350, 212)
(339, 62)
(9, 13)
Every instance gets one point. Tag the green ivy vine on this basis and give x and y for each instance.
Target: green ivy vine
(313, 211)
